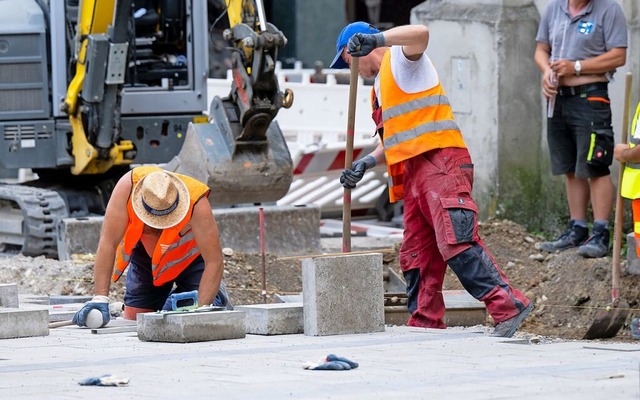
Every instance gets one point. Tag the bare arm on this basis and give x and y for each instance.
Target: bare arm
(114, 226)
(541, 57)
(206, 235)
(601, 64)
(378, 154)
(414, 39)
(623, 153)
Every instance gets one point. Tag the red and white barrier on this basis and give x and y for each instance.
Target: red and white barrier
(325, 160)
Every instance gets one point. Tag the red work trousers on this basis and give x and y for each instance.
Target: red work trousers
(440, 229)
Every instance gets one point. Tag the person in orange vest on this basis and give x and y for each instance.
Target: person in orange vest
(430, 168)
(629, 153)
(159, 225)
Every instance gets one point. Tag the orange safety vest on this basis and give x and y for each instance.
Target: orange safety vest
(630, 187)
(174, 252)
(413, 123)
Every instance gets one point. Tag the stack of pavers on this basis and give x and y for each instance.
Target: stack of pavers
(341, 295)
(16, 322)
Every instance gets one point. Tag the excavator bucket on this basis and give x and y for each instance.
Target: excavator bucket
(238, 172)
(241, 153)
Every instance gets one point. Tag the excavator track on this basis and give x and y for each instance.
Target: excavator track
(28, 218)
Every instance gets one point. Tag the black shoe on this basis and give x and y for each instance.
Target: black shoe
(574, 236)
(509, 327)
(597, 245)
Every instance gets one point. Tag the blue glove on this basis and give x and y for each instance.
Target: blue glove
(100, 303)
(333, 357)
(350, 177)
(362, 44)
(104, 380)
(332, 363)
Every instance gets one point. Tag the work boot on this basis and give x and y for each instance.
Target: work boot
(509, 327)
(574, 236)
(597, 245)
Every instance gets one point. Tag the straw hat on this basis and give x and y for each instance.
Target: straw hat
(160, 199)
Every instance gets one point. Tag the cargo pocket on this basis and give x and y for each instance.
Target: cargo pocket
(600, 154)
(410, 259)
(459, 219)
(464, 177)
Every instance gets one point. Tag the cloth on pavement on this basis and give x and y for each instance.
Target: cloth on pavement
(332, 363)
(104, 380)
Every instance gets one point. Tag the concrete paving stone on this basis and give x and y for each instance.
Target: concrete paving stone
(191, 327)
(273, 319)
(53, 300)
(57, 316)
(57, 312)
(17, 323)
(287, 298)
(360, 243)
(9, 295)
(78, 236)
(462, 309)
(290, 230)
(343, 294)
(401, 362)
(33, 299)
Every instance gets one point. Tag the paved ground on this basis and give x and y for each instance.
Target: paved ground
(400, 363)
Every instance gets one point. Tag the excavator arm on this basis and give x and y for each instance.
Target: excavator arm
(241, 152)
(255, 92)
(94, 94)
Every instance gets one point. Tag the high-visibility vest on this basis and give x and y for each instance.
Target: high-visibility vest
(413, 123)
(630, 187)
(174, 251)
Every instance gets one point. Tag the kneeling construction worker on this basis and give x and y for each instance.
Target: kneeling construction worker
(160, 225)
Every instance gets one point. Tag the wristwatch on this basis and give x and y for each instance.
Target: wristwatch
(577, 67)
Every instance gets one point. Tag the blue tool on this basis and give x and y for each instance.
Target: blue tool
(184, 301)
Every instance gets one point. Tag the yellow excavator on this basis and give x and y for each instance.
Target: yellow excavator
(90, 87)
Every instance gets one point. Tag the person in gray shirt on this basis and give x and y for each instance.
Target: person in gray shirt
(580, 43)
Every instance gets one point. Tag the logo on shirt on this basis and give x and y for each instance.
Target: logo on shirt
(585, 27)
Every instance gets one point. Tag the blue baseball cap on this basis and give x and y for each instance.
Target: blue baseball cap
(343, 39)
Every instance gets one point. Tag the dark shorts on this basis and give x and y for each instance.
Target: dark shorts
(141, 292)
(579, 130)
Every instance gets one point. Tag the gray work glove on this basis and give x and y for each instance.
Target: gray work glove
(362, 44)
(350, 177)
(100, 303)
